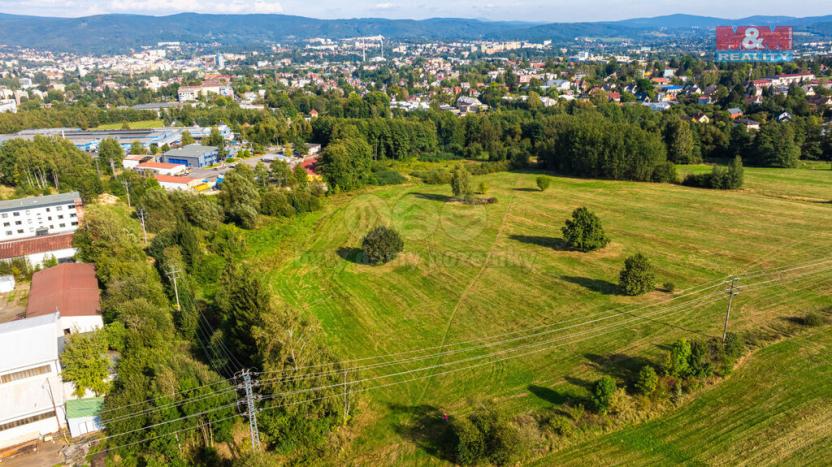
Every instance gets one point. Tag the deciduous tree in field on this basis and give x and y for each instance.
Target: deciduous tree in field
(678, 359)
(638, 276)
(543, 183)
(584, 231)
(381, 245)
(461, 182)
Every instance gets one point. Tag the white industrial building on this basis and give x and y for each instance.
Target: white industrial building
(40, 215)
(31, 389)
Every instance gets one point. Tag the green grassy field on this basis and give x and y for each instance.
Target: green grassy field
(776, 409)
(472, 272)
(140, 125)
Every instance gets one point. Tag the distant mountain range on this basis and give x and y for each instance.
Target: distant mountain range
(120, 33)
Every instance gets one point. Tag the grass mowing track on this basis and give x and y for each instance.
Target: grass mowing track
(476, 271)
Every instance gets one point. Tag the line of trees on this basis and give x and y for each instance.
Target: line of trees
(48, 163)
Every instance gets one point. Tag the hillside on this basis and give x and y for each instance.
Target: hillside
(470, 273)
(118, 33)
(776, 409)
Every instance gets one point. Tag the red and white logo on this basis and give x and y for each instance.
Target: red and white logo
(753, 38)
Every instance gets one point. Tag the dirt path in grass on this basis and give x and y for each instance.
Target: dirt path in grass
(465, 293)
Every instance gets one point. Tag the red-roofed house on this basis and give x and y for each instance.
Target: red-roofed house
(71, 289)
(37, 249)
(309, 165)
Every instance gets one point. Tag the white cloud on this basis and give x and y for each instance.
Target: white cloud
(153, 7)
(384, 6)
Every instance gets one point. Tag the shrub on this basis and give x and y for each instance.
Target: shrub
(647, 380)
(669, 287)
(486, 435)
(722, 178)
(584, 231)
(381, 245)
(665, 173)
(387, 177)
(559, 425)
(470, 442)
(543, 183)
(438, 157)
(433, 177)
(638, 276)
(276, 203)
(490, 167)
(603, 392)
(303, 201)
(482, 189)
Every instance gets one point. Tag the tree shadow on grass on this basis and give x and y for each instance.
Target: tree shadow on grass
(620, 366)
(425, 426)
(433, 197)
(353, 255)
(549, 394)
(546, 242)
(595, 285)
(527, 189)
(581, 383)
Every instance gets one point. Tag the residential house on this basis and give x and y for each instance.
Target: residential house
(784, 117)
(470, 104)
(31, 389)
(700, 117)
(748, 123)
(735, 113)
(820, 101)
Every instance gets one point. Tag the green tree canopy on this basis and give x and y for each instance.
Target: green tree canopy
(638, 276)
(84, 362)
(240, 197)
(461, 182)
(110, 154)
(187, 138)
(603, 392)
(584, 231)
(382, 244)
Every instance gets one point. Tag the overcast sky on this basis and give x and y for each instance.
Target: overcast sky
(526, 10)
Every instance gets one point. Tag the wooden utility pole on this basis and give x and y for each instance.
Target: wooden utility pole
(732, 290)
